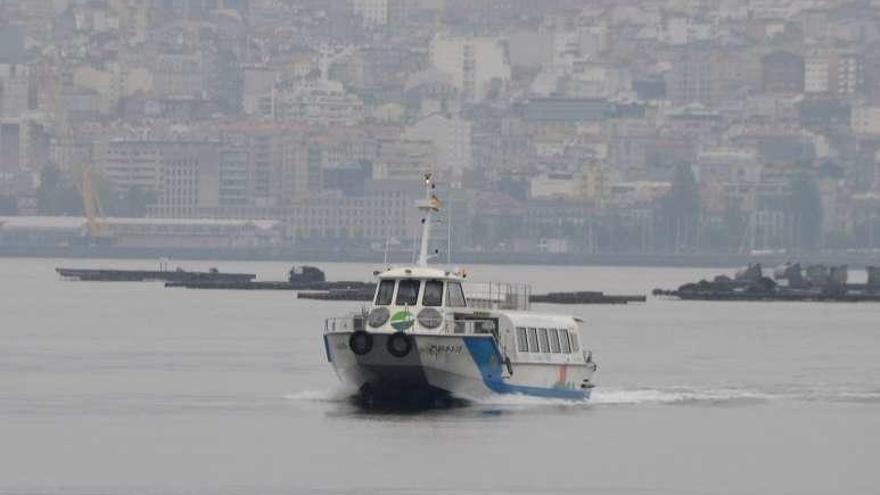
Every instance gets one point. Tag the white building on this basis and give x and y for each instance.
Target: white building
(451, 138)
(770, 9)
(681, 30)
(133, 163)
(846, 74)
(727, 166)
(571, 47)
(14, 90)
(372, 12)
(816, 72)
(259, 84)
(553, 186)
(114, 82)
(865, 120)
(476, 64)
(323, 101)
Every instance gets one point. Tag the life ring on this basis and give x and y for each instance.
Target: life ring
(360, 342)
(399, 345)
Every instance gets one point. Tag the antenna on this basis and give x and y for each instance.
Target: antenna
(449, 237)
(413, 262)
(428, 206)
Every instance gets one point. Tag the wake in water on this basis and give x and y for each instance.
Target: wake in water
(329, 395)
(612, 396)
(678, 395)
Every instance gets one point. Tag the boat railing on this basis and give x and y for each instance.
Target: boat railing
(498, 295)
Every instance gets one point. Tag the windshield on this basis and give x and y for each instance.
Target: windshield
(408, 293)
(433, 293)
(454, 295)
(385, 293)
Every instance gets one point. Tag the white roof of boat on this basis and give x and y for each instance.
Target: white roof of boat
(529, 319)
(420, 272)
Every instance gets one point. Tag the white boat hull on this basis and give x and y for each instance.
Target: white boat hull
(469, 367)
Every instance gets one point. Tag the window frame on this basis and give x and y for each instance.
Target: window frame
(565, 341)
(417, 282)
(522, 339)
(575, 342)
(544, 341)
(553, 334)
(533, 339)
(452, 302)
(393, 283)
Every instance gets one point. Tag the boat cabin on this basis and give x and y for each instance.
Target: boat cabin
(419, 287)
(418, 299)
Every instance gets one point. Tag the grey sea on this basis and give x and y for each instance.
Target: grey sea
(110, 388)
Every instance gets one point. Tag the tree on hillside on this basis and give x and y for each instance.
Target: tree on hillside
(680, 211)
(805, 212)
(57, 194)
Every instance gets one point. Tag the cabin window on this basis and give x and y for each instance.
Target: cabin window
(574, 342)
(408, 292)
(385, 293)
(563, 339)
(554, 340)
(454, 295)
(486, 327)
(522, 342)
(433, 293)
(458, 327)
(543, 340)
(533, 339)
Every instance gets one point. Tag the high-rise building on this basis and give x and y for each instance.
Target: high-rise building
(14, 90)
(477, 65)
(372, 12)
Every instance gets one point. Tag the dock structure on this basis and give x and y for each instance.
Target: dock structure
(357, 295)
(299, 278)
(173, 276)
(310, 283)
(790, 282)
(586, 297)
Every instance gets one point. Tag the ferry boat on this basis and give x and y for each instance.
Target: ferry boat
(430, 336)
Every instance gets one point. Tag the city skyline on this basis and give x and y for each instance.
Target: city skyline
(562, 127)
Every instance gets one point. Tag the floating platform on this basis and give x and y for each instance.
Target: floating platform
(279, 285)
(299, 278)
(790, 282)
(357, 295)
(176, 276)
(314, 285)
(779, 295)
(582, 297)
(585, 297)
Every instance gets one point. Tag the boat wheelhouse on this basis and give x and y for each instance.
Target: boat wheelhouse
(431, 334)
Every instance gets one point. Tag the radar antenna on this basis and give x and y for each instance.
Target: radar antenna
(430, 205)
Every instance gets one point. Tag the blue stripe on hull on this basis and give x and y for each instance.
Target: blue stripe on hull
(487, 358)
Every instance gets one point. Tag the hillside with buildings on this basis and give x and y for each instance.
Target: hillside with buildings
(555, 127)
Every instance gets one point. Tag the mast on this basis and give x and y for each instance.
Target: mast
(427, 206)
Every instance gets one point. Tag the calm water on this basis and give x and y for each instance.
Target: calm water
(112, 388)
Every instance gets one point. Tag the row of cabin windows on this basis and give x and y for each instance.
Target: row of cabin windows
(547, 340)
(408, 293)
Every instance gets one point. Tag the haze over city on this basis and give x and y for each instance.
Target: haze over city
(439, 247)
(557, 129)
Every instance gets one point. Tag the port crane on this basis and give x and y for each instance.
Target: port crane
(92, 207)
